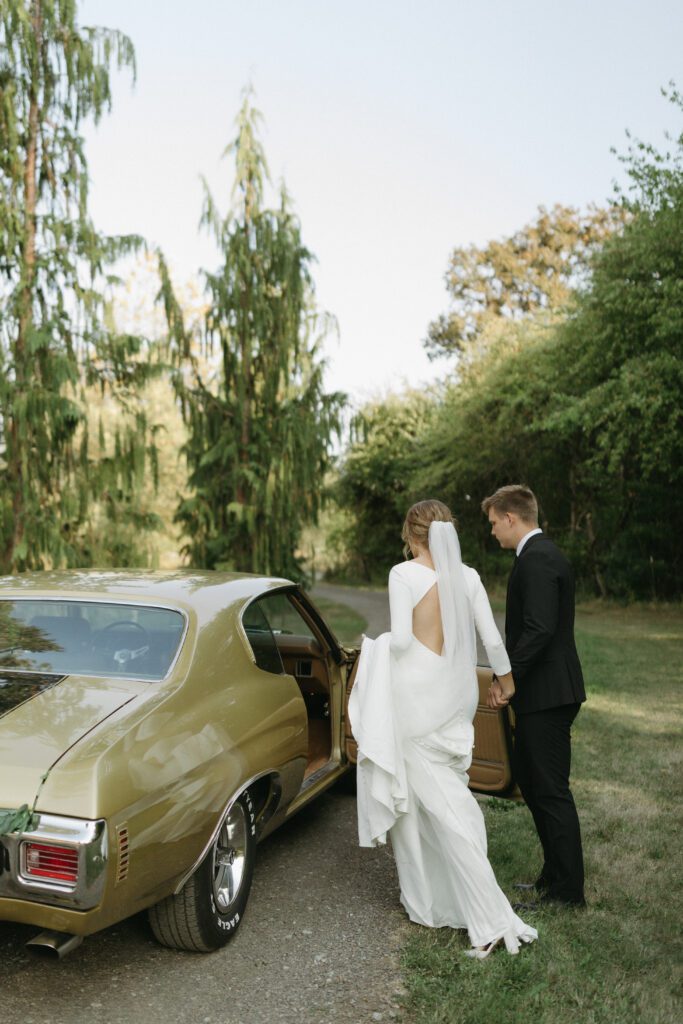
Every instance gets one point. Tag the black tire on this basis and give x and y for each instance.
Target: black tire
(210, 907)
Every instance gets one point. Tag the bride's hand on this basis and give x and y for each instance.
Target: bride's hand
(495, 697)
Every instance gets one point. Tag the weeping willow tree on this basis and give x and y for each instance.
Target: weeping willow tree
(65, 497)
(259, 421)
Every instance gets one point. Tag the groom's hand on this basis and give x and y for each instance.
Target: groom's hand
(496, 699)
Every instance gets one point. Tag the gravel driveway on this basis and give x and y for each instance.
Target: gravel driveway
(318, 945)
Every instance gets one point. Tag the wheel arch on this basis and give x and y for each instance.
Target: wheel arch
(265, 793)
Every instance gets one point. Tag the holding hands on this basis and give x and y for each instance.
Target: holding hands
(501, 691)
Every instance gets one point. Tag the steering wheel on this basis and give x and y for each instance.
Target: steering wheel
(128, 623)
(125, 624)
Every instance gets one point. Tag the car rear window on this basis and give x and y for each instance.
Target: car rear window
(88, 638)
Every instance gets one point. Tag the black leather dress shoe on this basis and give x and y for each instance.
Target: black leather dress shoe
(544, 900)
(540, 885)
(557, 902)
(522, 908)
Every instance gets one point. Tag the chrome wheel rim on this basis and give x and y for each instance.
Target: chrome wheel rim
(229, 857)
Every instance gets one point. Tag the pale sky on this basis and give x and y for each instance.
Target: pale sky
(402, 129)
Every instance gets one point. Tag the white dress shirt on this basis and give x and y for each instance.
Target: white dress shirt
(531, 533)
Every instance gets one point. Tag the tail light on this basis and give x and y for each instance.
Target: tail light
(56, 863)
(61, 861)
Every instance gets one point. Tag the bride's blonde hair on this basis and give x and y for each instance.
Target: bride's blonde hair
(418, 520)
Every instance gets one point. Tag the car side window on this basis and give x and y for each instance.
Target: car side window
(284, 618)
(261, 639)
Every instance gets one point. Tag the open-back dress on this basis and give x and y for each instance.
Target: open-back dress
(412, 712)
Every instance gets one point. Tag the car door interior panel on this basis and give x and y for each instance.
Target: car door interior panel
(491, 770)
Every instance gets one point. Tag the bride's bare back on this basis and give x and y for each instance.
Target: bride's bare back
(427, 627)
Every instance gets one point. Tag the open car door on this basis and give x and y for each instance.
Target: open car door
(491, 770)
(350, 745)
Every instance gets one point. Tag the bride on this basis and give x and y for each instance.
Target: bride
(411, 711)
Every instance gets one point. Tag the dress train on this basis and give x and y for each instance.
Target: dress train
(411, 713)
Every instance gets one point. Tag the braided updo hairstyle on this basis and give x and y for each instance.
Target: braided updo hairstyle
(418, 520)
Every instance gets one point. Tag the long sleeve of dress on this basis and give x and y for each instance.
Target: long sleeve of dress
(488, 631)
(401, 611)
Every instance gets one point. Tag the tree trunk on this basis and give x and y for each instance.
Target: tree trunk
(14, 460)
(590, 533)
(243, 495)
(573, 509)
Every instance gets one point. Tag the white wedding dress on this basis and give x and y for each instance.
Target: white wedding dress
(411, 712)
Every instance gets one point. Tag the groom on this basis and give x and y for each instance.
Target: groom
(539, 636)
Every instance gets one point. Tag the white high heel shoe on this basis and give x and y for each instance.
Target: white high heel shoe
(481, 952)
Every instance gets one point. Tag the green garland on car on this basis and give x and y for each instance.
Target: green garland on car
(16, 820)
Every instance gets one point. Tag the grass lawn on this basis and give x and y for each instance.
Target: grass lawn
(346, 624)
(619, 960)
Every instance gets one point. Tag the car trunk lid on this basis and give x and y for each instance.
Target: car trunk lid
(52, 716)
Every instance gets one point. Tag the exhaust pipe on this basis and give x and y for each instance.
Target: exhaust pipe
(54, 945)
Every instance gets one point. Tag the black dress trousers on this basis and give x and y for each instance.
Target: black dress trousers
(542, 762)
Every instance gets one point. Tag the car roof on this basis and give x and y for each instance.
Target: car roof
(181, 587)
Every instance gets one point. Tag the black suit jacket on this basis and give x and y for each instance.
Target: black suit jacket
(539, 629)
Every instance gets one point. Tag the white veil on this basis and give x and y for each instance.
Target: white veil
(460, 643)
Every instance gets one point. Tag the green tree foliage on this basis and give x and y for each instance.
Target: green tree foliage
(487, 429)
(623, 382)
(535, 270)
(66, 497)
(587, 410)
(259, 423)
(376, 482)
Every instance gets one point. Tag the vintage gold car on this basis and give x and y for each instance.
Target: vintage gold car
(153, 727)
